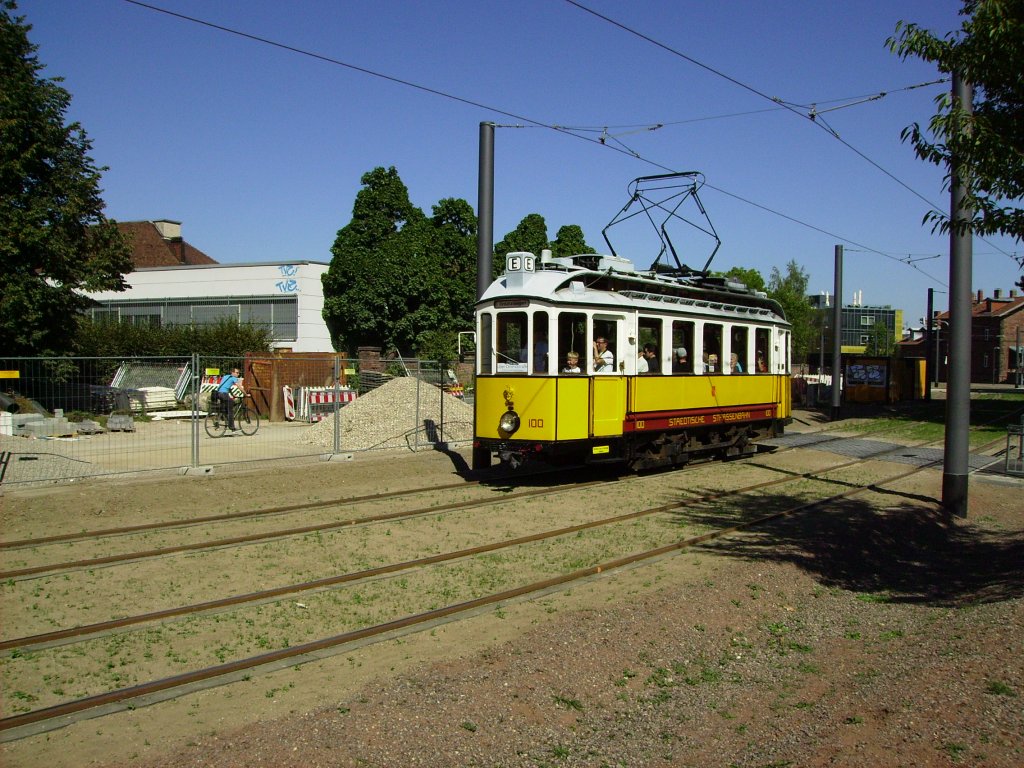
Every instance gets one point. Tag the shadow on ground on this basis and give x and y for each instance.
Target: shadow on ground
(908, 553)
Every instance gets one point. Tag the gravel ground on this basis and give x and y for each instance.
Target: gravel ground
(871, 635)
(877, 633)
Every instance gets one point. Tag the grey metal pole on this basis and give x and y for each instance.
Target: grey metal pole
(337, 404)
(196, 386)
(484, 244)
(837, 334)
(958, 373)
(485, 210)
(1017, 358)
(929, 342)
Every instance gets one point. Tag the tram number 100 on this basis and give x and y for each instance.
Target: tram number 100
(535, 423)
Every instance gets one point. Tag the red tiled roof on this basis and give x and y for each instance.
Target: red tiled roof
(991, 307)
(151, 249)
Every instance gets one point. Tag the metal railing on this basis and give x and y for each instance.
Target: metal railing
(68, 418)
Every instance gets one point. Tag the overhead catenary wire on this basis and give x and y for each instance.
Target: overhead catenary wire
(616, 146)
(811, 115)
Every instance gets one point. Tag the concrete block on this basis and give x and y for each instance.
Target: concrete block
(336, 457)
(14, 423)
(204, 470)
(120, 423)
(50, 428)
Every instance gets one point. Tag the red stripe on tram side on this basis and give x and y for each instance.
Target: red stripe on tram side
(698, 417)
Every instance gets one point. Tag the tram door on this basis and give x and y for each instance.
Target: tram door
(608, 389)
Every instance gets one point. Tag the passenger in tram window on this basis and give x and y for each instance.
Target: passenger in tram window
(650, 357)
(762, 366)
(572, 362)
(540, 352)
(680, 361)
(604, 360)
(710, 363)
(641, 363)
(734, 363)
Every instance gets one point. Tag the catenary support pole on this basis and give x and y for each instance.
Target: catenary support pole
(837, 335)
(484, 247)
(485, 210)
(958, 372)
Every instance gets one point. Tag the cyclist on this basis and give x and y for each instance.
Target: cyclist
(224, 395)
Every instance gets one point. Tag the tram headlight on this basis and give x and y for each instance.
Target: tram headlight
(508, 423)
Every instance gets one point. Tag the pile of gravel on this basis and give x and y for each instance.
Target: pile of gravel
(402, 413)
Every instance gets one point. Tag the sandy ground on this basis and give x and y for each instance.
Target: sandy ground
(878, 633)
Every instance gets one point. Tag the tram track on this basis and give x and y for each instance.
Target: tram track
(92, 629)
(70, 565)
(97, 535)
(50, 716)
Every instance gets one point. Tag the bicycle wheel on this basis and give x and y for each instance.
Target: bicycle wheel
(215, 423)
(247, 420)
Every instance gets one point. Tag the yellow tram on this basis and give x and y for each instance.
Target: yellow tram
(689, 365)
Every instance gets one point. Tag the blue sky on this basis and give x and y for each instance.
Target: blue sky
(258, 150)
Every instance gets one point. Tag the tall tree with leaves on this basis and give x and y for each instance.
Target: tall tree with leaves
(530, 235)
(570, 241)
(749, 277)
(363, 295)
(881, 341)
(790, 290)
(988, 52)
(54, 238)
(398, 279)
(441, 281)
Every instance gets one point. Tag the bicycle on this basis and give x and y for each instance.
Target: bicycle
(246, 419)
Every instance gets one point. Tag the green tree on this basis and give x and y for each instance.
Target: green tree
(880, 341)
(749, 277)
(570, 241)
(988, 51)
(398, 279)
(531, 235)
(54, 238)
(790, 290)
(362, 288)
(441, 282)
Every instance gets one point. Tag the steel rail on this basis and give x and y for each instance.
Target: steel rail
(201, 675)
(31, 641)
(282, 533)
(227, 516)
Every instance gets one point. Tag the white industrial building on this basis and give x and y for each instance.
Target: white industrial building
(286, 296)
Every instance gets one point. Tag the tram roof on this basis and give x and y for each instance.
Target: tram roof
(560, 282)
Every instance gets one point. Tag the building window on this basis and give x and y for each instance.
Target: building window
(867, 319)
(864, 339)
(279, 314)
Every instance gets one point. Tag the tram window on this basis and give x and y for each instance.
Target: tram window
(540, 342)
(712, 353)
(738, 350)
(649, 345)
(761, 337)
(510, 345)
(486, 344)
(572, 337)
(682, 346)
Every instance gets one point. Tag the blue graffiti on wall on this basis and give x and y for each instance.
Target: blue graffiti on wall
(288, 286)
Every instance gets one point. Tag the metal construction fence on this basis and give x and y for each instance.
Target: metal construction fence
(66, 418)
